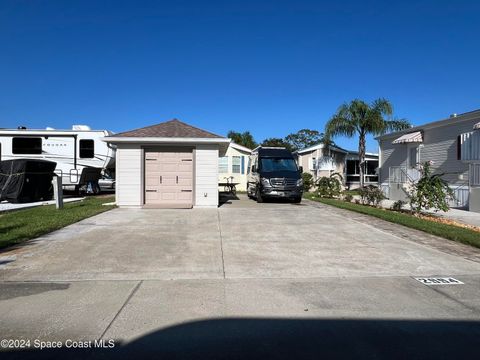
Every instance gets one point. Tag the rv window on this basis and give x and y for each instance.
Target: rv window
(87, 148)
(26, 145)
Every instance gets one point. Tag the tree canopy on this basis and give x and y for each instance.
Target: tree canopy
(360, 118)
(304, 138)
(245, 139)
(276, 142)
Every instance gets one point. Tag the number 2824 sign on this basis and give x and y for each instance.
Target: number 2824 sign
(438, 281)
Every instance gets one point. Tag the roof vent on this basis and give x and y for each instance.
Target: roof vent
(21, 128)
(454, 115)
(81, 127)
(49, 128)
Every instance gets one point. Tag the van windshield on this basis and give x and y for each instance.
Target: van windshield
(277, 164)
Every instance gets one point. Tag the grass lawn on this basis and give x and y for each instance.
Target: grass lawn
(20, 225)
(446, 231)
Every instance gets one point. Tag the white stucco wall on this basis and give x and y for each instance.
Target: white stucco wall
(206, 176)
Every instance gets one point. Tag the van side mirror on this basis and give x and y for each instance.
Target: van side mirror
(300, 169)
(254, 169)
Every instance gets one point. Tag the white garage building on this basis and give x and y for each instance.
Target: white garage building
(168, 165)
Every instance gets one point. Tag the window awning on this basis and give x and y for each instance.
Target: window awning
(476, 126)
(414, 137)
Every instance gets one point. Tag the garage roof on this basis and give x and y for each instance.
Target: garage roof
(169, 129)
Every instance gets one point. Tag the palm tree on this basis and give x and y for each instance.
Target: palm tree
(360, 118)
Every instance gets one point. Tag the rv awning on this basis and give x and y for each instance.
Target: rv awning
(476, 126)
(415, 137)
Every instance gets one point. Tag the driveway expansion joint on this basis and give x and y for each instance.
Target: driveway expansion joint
(130, 296)
(221, 242)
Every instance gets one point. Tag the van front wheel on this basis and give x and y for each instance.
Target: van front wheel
(259, 197)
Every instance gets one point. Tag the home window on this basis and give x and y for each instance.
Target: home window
(236, 163)
(87, 148)
(223, 165)
(26, 145)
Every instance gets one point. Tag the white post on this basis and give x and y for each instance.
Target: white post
(58, 191)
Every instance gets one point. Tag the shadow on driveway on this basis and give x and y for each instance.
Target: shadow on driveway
(256, 338)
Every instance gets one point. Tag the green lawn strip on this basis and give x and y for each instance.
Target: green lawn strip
(446, 231)
(21, 225)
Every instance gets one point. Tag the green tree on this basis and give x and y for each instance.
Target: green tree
(276, 142)
(245, 139)
(303, 139)
(360, 118)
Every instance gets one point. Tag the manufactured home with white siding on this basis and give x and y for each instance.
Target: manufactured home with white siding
(233, 166)
(452, 145)
(168, 165)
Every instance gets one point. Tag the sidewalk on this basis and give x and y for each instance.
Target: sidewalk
(6, 206)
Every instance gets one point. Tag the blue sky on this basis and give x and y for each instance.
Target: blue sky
(271, 67)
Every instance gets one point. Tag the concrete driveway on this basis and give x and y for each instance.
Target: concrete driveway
(153, 275)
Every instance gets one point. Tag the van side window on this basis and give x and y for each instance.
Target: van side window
(26, 145)
(87, 148)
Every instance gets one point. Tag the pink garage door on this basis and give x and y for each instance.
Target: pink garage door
(168, 179)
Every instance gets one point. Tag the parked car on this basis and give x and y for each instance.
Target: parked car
(106, 183)
(273, 173)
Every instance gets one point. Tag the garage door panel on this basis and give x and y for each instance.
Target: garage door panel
(185, 167)
(152, 181)
(169, 168)
(169, 178)
(185, 196)
(152, 156)
(182, 181)
(168, 196)
(151, 195)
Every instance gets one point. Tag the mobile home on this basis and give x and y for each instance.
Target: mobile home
(452, 145)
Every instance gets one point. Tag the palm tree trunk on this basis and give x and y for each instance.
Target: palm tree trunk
(361, 157)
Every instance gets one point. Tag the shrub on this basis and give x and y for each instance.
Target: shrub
(330, 186)
(430, 192)
(371, 195)
(307, 181)
(397, 205)
(348, 197)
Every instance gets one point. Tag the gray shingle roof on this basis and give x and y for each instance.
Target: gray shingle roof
(173, 128)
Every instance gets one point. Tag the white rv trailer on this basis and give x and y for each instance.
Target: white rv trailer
(79, 153)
